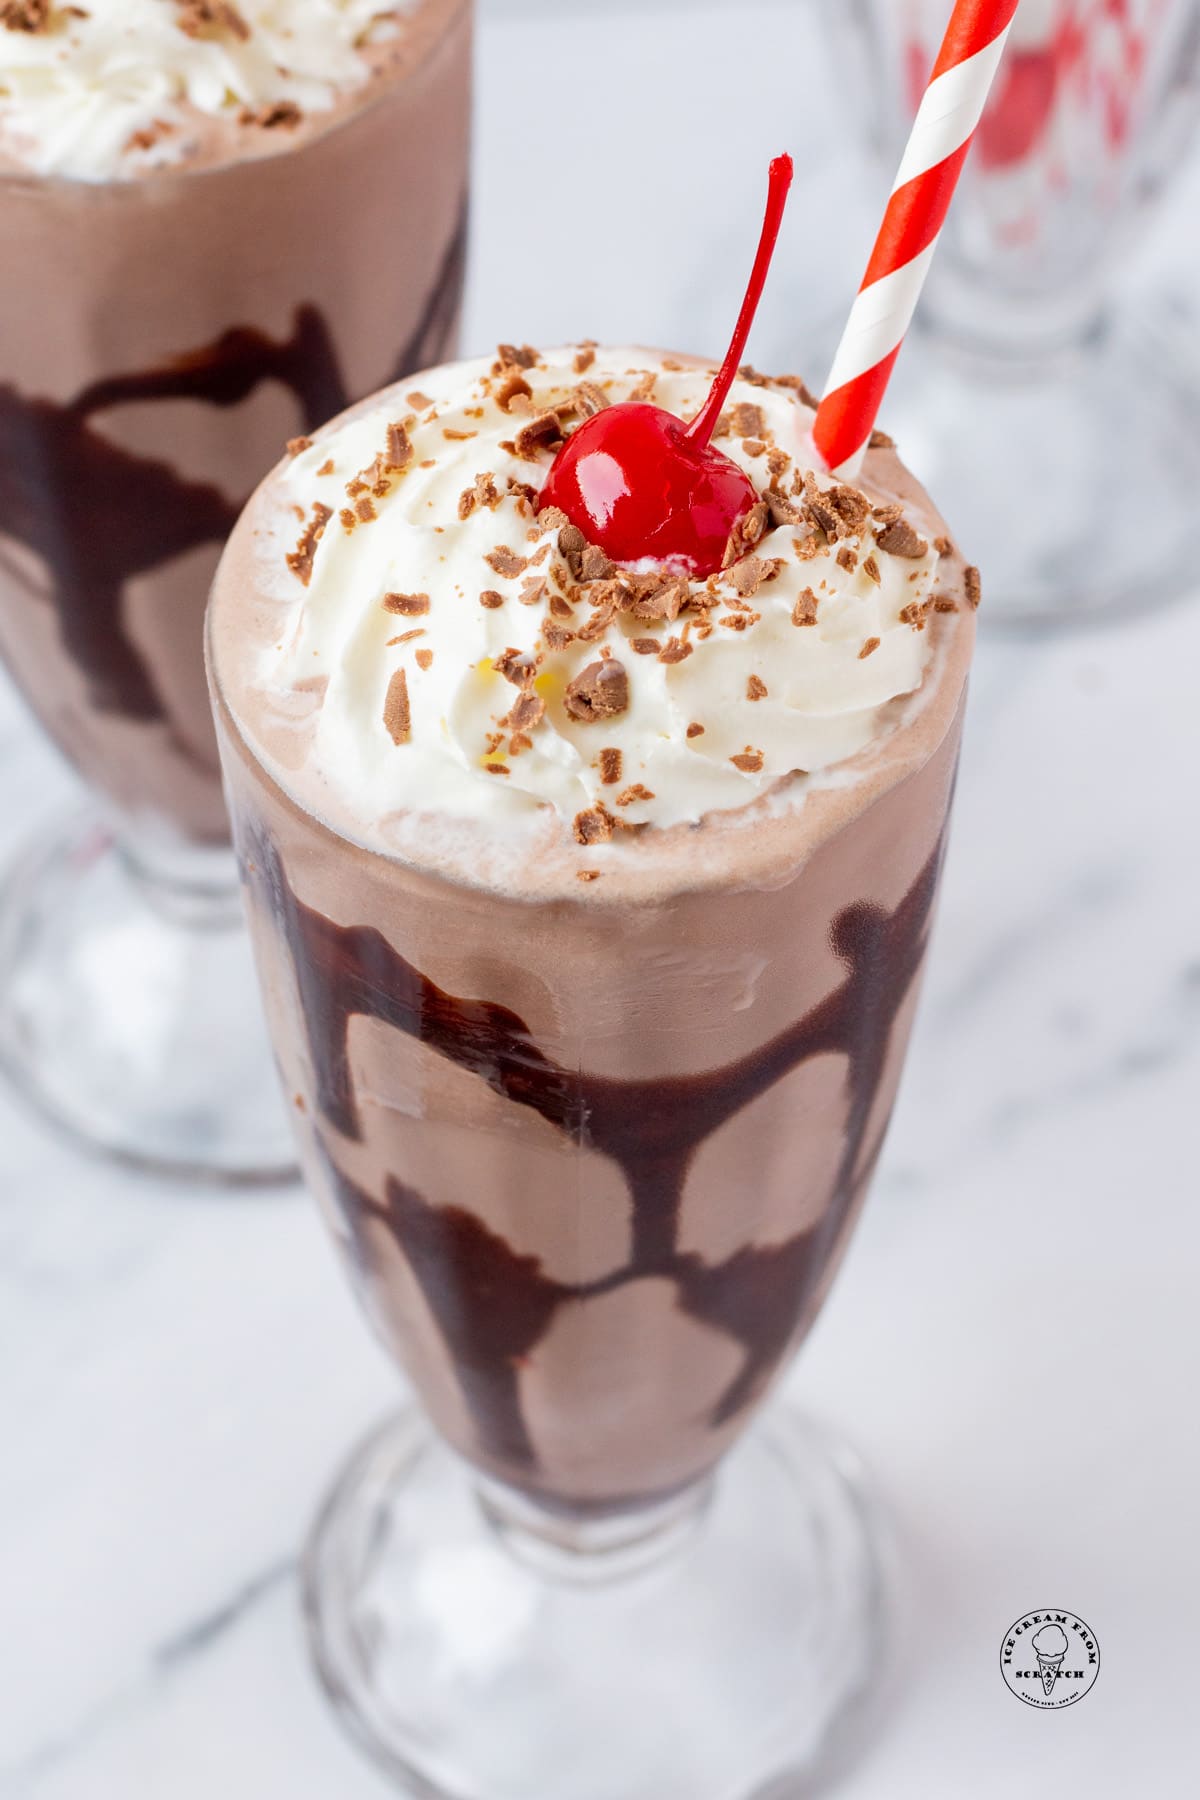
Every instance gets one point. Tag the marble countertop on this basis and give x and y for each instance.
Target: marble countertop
(181, 1373)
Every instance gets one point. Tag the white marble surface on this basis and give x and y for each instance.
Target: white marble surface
(180, 1374)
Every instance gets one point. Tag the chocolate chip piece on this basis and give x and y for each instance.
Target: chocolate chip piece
(600, 691)
(397, 716)
(538, 434)
(593, 827)
(805, 610)
(506, 562)
(899, 539)
(409, 606)
(300, 560)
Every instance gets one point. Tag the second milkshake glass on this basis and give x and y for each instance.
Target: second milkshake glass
(161, 336)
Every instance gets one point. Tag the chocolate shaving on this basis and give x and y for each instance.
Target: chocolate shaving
(600, 691)
(424, 658)
(526, 712)
(610, 767)
(297, 444)
(800, 388)
(971, 586)
(749, 575)
(556, 636)
(409, 606)
(397, 716)
(805, 610)
(868, 649)
(399, 448)
(880, 440)
(593, 827)
(756, 688)
(851, 506)
(847, 559)
(899, 539)
(510, 357)
(538, 434)
(275, 115)
(631, 794)
(820, 509)
(653, 597)
(589, 399)
(300, 560)
(491, 599)
(484, 493)
(206, 18)
(645, 387)
(594, 565)
(750, 761)
(418, 401)
(645, 646)
(675, 650)
(30, 16)
(584, 358)
(781, 511)
(694, 730)
(506, 562)
(510, 386)
(517, 666)
(748, 421)
(533, 591)
(871, 569)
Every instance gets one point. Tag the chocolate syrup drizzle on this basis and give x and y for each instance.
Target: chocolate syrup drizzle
(493, 1304)
(97, 515)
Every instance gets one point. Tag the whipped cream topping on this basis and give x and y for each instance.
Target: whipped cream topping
(441, 648)
(119, 85)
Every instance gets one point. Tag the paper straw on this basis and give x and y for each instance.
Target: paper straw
(941, 136)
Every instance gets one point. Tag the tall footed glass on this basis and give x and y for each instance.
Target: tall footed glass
(590, 1141)
(165, 327)
(1035, 376)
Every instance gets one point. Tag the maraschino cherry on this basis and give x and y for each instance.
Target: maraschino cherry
(639, 482)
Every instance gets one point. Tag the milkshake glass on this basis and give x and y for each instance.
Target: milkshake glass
(590, 905)
(219, 225)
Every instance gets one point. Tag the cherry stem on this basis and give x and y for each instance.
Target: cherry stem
(705, 423)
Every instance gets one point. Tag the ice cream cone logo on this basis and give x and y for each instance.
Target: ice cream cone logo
(1049, 1646)
(1049, 1659)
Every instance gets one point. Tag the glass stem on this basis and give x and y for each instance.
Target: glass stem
(593, 1549)
(192, 886)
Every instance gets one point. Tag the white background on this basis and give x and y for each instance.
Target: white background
(1013, 1342)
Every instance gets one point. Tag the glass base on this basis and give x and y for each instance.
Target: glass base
(129, 1012)
(716, 1649)
(1071, 481)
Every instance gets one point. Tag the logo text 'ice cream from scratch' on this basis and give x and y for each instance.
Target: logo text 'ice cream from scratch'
(1049, 1658)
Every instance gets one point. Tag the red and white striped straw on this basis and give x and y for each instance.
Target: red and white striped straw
(941, 136)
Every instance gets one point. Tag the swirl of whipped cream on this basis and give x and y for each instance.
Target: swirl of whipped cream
(113, 87)
(436, 646)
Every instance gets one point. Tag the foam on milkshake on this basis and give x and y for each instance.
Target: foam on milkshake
(126, 86)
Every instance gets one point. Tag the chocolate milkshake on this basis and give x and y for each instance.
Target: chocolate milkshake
(219, 224)
(589, 900)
